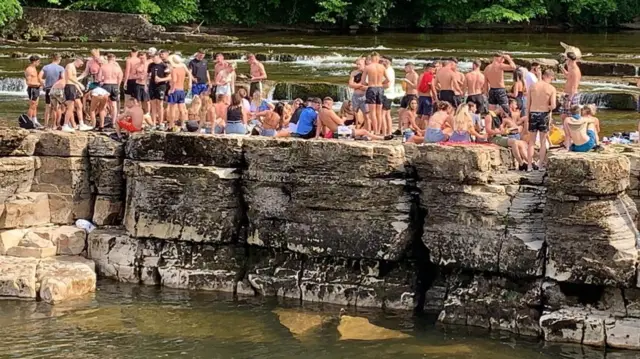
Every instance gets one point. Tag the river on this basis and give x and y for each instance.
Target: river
(305, 58)
(130, 321)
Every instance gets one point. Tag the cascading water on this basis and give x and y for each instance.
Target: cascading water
(13, 86)
(601, 100)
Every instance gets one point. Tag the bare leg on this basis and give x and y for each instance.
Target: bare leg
(567, 134)
(114, 113)
(531, 140)
(416, 139)
(184, 114)
(171, 115)
(543, 149)
(47, 115)
(515, 151)
(79, 111)
(371, 116)
(389, 123)
(68, 118)
(379, 118)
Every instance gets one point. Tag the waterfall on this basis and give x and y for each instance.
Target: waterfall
(601, 100)
(13, 86)
(344, 93)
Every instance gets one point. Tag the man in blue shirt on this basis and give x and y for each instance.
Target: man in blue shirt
(307, 123)
(49, 75)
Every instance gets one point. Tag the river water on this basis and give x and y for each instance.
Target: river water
(328, 58)
(129, 321)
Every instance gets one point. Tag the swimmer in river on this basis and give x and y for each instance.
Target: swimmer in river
(494, 76)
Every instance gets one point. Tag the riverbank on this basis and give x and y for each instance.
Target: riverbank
(439, 229)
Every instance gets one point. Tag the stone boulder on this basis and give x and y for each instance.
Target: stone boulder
(66, 175)
(16, 142)
(67, 208)
(587, 174)
(200, 204)
(16, 175)
(57, 143)
(590, 68)
(115, 255)
(146, 146)
(11, 238)
(272, 273)
(108, 211)
(104, 146)
(289, 90)
(25, 210)
(18, 277)
(207, 150)
(69, 240)
(63, 278)
(107, 176)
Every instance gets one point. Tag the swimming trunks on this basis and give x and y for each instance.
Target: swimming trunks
(386, 103)
(140, 93)
(255, 86)
(425, 105)
(375, 95)
(498, 96)
(128, 126)
(131, 88)
(197, 89)
(56, 96)
(480, 101)
(434, 135)
(71, 93)
(176, 98)
(539, 121)
(587, 146)
(33, 93)
(359, 102)
(448, 96)
(406, 100)
(47, 96)
(114, 91)
(500, 141)
(568, 101)
(157, 91)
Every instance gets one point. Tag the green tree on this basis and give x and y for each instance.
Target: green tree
(9, 11)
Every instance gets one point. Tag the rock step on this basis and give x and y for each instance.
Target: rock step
(43, 241)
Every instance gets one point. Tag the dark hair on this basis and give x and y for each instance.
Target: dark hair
(236, 100)
(443, 106)
(575, 109)
(517, 75)
(572, 56)
(201, 51)
(454, 60)
(534, 64)
(279, 109)
(429, 65)
(55, 56)
(513, 100)
(256, 89)
(110, 55)
(387, 58)
(314, 100)
(328, 98)
(34, 58)
(409, 64)
(163, 51)
(219, 98)
(134, 49)
(548, 73)
(477, 63)
(498, 54)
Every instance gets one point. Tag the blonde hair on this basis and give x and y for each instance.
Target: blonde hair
(589, 110)
(462, 121)
(346, 109)
(196, 104)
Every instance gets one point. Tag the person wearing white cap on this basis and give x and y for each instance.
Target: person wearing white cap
(152, 51)
(177, 94)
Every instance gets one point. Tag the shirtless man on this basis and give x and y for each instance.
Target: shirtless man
(541, 100)
(458, 85)
(177, 95)
(33, 88)
(411, 89)
(110, 76)
(257, 72)
(426, 94)
(376, 77)
(92, 68)
(139, 73)
(218, 66)
(131, 120)
(571, 96)
(494, 84)
(356, 82)
(329, 121)
(73, 97)
(129, 81)
(474, 85)
(446, 80)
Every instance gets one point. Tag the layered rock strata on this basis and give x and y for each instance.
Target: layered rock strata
(446, 229)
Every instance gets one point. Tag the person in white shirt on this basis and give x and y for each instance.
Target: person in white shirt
(389, 92)
(532, 76)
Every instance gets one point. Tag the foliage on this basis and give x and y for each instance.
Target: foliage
(34, 32)
(9, 10)
(331, 10)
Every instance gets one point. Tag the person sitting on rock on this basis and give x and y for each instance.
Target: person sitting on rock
(270, 120)
(438, 126)
(132, 119)
(332, 125)
(463, 127)
(581, 130)
(306, 120)
(498, 130)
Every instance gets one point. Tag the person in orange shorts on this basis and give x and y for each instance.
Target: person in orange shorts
(132, 119)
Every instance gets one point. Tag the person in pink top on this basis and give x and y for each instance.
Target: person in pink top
(92, 68)
(110, 76)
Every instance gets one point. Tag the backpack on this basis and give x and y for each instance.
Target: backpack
(25, 122)
(425, 82)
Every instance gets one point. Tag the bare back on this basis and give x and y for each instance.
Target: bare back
(474, 82)
(221, 111)
(494, 75)
(70, 74)
(542, 96)
(329, 119)
(412, 87)
(438, 120)
(446, 78)
(458, 83)
(178, 76)
(111, 73)
(375, 75)
(31, 76)
(137, 116)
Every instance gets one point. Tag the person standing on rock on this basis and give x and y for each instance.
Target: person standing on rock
(129, 81)
(177, 94)
(390, 74)
(257, 72)
(541, 100)
(445, 81)
(356, 82)
(219, 65)
(571, 95)
(73, 98)
(494, 86)
(200, 72)
(139, 73)
(375, 76)
(458, 85)
(158, 72)
(410, 82)
(533, 75)
(426, 95)
(49, 75)
(34, 83)
(474, 85)
(110, 76)
(92, 68)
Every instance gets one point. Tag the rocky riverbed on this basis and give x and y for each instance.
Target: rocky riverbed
(449, 230)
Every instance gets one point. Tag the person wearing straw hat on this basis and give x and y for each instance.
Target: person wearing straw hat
(176, 96)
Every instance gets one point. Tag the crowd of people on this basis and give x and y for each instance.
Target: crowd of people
(440, 105)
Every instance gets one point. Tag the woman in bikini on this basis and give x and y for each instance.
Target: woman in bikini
(439, 125)
(463, 127)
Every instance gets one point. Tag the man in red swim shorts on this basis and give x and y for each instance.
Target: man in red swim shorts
(132, 119)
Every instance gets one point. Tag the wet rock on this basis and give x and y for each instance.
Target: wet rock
(299, 322)
(288, 91)
(613, 100)
(146, 146)
(623, 333)
(68, 175)
(16, 142)
(273, 274)
(107, 176)
(359, 328)
(575, 325)
(10, 238)
(25, 210)
(16, 175)
(199, 204)
(114, 254)
(108, 211)
(495, 302)
(69, 240)
(63, 278)
(195, 149)
(67, 208)
(104, 146)
(332, 280)
(18, 277)
(590, 68)
(632, 301)
(576, 174)
(57, 143)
